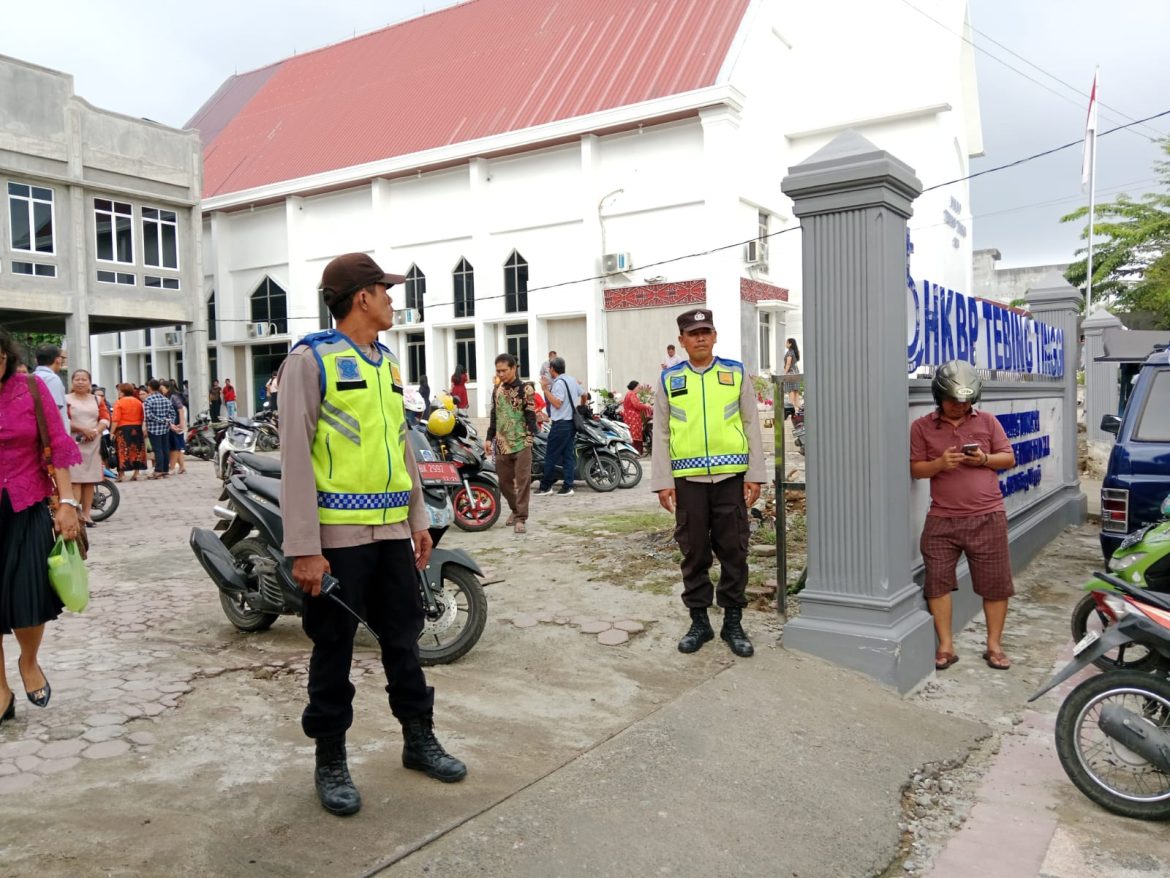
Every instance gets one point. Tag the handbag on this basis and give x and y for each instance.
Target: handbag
(67, 574)
(578, 418)
(47, 459)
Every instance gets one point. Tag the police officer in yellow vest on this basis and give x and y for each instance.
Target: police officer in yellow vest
(353, 508)
(707, 469)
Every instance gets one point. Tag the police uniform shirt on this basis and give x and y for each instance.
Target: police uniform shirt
(661, 476)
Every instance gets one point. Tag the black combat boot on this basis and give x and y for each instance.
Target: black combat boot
(732, 631)
(700, 631)
(334, 785)
(422, 751)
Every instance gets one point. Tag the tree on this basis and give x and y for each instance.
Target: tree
(28, 341)
(1133, 264)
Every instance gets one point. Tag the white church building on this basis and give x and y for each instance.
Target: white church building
(570, 175)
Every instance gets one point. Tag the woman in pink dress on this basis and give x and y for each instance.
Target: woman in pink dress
(88, 417)
(27, 601)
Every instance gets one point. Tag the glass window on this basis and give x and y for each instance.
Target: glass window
(763, 221)
(1154, 423)
(30, 211)
(464, 278)
(166, 283)
(516, 338)
(416, 290)
(465, 351)
(270, 305)
(115, 277)
(211, 318)
(416, 357)
(160, 238)
(115, 232)
(515, 284)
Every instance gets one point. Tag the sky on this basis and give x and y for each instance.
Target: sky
(161, 60)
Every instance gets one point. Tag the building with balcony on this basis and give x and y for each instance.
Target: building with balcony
(100, 238)
(569, 176)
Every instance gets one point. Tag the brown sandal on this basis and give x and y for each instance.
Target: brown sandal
(997, 661)
(943, 660)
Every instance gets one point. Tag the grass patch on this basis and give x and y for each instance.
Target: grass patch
(622, 523)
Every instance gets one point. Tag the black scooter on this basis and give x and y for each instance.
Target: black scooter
(1113, 729)
(255, 581)
(596, 463)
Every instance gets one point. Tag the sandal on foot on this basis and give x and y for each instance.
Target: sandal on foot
(943, 660)
(997, 661)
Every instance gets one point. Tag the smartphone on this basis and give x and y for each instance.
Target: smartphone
(971, 448)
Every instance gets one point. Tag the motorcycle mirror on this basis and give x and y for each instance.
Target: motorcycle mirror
(1166, 507)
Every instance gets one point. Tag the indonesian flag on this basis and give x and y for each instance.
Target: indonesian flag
(1090, 136)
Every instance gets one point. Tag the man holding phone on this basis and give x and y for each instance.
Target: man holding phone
(961, 449)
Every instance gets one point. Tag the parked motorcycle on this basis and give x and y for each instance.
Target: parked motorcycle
(267, 424)
(476, 497)
(106, 496)
(596, 462)
(201, 442)
(623, 449)
(1143, 560)
(255, 581)
(1113, 730)
(798, 429)
(241, 434)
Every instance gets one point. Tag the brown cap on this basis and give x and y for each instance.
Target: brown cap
(347, 274)
(696, 318)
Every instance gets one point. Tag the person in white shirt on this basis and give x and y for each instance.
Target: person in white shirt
(672, 359)
(51, 360)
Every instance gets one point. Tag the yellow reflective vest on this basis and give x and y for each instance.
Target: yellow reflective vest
(359, 449)
(706, 431)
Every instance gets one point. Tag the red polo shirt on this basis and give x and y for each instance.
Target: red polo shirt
(965, 490)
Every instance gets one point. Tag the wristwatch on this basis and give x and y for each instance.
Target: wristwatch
(69, 501)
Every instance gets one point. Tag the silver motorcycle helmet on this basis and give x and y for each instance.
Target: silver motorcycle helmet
(957, 380)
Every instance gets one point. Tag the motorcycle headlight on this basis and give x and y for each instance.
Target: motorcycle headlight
(1125, 561)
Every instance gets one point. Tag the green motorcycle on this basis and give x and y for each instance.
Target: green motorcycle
(1142, 559)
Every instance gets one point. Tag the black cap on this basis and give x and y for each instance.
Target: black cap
(697, 318)
(347, 274)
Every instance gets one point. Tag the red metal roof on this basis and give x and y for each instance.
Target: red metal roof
(482, 68)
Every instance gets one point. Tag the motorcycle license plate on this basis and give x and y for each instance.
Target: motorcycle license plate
(1088, 640)
(438, 472)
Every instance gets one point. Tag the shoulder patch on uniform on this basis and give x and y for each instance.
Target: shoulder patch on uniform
(726, 377)
(678, 381)
(347, 369)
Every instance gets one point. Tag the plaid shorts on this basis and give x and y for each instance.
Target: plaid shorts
(983, 539)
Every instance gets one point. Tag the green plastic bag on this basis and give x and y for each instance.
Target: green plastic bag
(68, 575)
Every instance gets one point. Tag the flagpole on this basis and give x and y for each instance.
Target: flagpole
(1090, 160)
(1092, 214)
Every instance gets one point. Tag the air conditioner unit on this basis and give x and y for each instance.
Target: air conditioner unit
(259, 330)
(755, 252)
(406, 317)
(617, 262)
(172, 338)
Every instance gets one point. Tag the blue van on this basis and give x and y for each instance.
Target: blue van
(1137, 479)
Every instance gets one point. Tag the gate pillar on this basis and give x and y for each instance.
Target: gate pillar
(860, 607)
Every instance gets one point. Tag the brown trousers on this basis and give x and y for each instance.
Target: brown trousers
(711, 519)
(515, 472)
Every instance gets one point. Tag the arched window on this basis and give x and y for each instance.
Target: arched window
(515, 284)
(464, 278)
(270, 305)
(416, 290)
(211, 327)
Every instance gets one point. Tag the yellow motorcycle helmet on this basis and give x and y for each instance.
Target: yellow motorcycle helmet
(441, 422)
(447, 401)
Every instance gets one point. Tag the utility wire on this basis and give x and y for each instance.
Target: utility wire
(596, 277)
(1157, 135)
(1046, 152)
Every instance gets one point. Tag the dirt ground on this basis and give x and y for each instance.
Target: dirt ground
(173, 747)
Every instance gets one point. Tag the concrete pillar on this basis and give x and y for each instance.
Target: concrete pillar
(1054, 301)
(1101, 390)
(860, 607)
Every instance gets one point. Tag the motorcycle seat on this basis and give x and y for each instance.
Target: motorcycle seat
(268, 489)
(263, 464)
